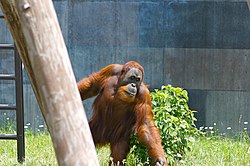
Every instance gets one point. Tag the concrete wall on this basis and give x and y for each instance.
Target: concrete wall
(200, 45)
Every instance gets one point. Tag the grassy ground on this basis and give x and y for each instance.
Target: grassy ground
(212, 151)
(38, 151)
(219, 152)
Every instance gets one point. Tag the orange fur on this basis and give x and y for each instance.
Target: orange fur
(116, 113)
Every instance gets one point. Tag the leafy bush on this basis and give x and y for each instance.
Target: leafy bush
(175, 121)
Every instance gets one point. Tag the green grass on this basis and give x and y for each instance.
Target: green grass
(38, 151)
(212, 151)
(218, 151)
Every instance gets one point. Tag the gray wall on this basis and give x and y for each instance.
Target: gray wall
(200, 45)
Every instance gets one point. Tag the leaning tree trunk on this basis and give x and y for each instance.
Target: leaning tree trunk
(38, 37)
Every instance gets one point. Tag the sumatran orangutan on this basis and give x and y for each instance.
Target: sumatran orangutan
(123, 105)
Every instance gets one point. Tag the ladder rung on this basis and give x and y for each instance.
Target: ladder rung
(8, 136)
(7, 106)
(7, 46)
(7, 76)
(1, 16)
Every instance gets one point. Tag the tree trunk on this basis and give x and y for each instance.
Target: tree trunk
(38, 37)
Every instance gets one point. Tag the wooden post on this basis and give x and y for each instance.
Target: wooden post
(35, 29)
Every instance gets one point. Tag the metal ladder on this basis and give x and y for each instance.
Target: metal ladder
(18, 107)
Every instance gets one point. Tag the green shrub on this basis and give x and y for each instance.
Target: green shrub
(175, 121)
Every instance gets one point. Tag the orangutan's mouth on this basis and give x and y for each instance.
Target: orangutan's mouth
(130, 93)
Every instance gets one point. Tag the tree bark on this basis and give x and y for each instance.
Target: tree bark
(37, 35)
